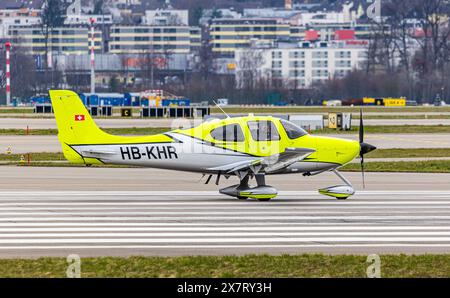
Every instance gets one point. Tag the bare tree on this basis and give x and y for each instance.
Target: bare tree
(23, 74)
(52, 16)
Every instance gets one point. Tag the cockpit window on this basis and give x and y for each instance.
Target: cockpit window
(293, 131)
(228, 133)
(263, 131)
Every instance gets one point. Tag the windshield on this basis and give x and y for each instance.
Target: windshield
(293, 131)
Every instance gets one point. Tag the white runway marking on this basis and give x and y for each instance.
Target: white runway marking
(226, 240)
(182, 194)
(166, 222)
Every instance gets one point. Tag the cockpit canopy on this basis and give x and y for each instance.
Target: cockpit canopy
(260, 131)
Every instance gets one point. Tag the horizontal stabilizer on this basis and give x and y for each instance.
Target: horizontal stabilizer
(96, 153)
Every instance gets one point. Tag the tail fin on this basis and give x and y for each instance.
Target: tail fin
(75, 125)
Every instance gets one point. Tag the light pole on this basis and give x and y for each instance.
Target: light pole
(8, 73)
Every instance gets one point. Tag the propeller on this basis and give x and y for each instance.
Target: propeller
(365, 148)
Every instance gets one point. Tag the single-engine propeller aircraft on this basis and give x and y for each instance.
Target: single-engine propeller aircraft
(245, 147)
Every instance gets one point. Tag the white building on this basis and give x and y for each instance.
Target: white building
(301, 65)
(166, 17)
(17, 17)
(76, 16)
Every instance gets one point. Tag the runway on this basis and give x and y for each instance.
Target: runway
(14, 178)
(26, 144)
(172, 223)
(124, 212)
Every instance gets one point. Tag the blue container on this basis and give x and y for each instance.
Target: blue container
(92, 100)
(176, 102)
(40, 100)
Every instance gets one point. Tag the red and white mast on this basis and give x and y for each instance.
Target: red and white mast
(8, 73)
(92, 56)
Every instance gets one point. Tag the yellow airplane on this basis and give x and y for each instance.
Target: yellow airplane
(246, 147)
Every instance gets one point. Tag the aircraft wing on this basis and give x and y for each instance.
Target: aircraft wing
(238, 166)
(287, 158)
(270, 164)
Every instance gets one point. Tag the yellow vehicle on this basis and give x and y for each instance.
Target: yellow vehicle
(244, 147)
(387, 102)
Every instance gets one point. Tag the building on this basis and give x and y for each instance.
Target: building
(86, 19)
(17, 17)
(131, 39)
(76, 16)
(229, 35)
(300, 65)
(166, 17)
(68, 40)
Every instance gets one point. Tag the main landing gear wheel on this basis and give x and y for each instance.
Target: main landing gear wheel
(243, 191)
(265, 200)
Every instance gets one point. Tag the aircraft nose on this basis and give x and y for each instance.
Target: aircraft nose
(353, 150)
(348, 150)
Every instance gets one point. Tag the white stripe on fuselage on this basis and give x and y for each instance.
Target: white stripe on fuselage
(185, 153)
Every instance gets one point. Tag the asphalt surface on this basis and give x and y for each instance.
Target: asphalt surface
(26, 144)
(123, 212)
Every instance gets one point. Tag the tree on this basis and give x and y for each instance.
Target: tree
(23, 74)
(99, 7)
(114, 84)
(53, 16)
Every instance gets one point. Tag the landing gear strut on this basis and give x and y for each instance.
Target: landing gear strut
(243, 191)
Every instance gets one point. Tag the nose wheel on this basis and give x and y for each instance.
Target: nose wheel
(340, 192)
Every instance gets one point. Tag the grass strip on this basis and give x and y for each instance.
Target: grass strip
(409, 153)
(36, 156)
(17, 111)
(431, 166)
(250, 266)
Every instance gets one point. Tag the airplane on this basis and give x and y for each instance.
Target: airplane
(248, 148)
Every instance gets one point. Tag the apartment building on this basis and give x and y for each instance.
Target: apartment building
(131, 39)
(300, 65)
(17, 17)
(229, 35)
(68, 40)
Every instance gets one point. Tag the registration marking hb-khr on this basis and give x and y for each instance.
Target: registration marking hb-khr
(151, 152)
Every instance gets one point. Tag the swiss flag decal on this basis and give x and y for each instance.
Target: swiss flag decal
(79, 117)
